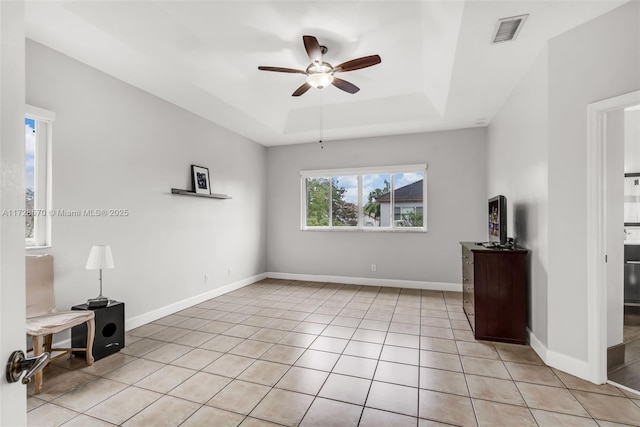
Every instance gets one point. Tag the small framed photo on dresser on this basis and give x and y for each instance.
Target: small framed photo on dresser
(200, 177)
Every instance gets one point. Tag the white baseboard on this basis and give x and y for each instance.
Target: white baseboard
(537, 345)
(156, 314)
(143, 319)
(576, 367)
(411, 284)
(570, 365)
(624, 387)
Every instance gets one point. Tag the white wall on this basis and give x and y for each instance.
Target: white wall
(13, 402)
(540, 133)
(517, 147)
(456, 204)
(594, 61)
(116, 146)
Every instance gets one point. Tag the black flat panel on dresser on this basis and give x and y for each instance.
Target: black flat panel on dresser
(109, 337)
(495, 292)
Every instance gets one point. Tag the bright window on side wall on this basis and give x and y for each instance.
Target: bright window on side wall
(38, 126)
(391, 198)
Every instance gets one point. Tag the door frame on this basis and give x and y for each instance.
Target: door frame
(597, 231)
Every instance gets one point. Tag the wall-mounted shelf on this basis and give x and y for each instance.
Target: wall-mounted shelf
(193, 193)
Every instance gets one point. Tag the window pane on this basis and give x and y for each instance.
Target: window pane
(376, 200)
(30, 155)
(408, 203)
(318, 201)
(344, 201)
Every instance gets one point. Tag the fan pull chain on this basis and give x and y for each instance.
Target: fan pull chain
(321, 142)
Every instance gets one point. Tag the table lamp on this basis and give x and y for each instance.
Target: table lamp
(99, 258)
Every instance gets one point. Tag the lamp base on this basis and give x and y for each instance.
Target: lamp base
(97, 302)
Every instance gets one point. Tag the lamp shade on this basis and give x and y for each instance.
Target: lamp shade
(100, 258)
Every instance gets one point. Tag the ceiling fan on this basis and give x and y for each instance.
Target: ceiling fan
(320, 74)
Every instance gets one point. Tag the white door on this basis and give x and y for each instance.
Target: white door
(13, 407)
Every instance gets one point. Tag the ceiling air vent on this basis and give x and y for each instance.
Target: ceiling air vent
(508, 28)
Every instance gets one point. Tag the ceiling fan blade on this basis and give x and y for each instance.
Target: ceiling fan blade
(356, 64)
(302, 89)
(345, 85)
(281, 69)
(313, 49)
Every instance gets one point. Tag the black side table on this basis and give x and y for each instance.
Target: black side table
(109, 330)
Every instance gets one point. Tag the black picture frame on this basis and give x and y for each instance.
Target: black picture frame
(200, 179)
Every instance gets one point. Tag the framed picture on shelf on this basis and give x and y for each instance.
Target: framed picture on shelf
(200, 178)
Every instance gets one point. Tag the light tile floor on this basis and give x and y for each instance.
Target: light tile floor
(629, 373)
(316, 354)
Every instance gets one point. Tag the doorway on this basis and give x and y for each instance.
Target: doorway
(624, 362)
(598, 232)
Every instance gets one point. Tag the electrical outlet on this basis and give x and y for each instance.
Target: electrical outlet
(374, 267)
(230, 271)
(206, 278)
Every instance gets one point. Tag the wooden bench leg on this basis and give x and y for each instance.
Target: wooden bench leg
(48, 339)
(91, 333)
(37, 351)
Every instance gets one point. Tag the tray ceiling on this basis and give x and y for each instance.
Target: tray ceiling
(438, 71)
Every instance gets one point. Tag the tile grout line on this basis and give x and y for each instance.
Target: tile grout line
(246, 416)
(526, 405)
(290, 366)
(419, 361)
(366, 398)
(317, 394)
(245, 305)
(201, 370)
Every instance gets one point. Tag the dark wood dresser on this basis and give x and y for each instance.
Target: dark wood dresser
(494, 285)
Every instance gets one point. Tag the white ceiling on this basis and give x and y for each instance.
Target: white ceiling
(438, 69)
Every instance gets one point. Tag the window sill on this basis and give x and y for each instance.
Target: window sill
(368, 230)
(29, 248)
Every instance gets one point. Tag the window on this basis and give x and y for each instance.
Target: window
(318, 200)
(363, 199)
(38, 129)
(344, 201)
(407, 199)
(374, 186)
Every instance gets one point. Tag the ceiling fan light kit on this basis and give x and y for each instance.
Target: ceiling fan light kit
(320, 74)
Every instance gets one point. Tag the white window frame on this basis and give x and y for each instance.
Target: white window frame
(360, 172)
(42, 176)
